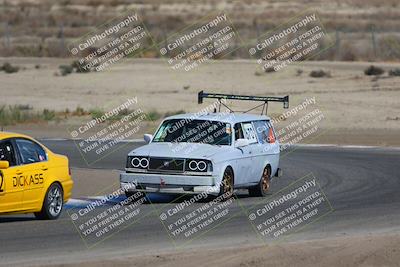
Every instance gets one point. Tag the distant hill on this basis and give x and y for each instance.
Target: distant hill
(363, 30)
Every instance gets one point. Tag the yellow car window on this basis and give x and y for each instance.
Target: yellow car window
(7, 152)
(30, 152)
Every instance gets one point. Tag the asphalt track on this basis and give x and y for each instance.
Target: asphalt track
(361, 184)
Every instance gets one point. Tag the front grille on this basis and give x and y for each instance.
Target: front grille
(166, 164)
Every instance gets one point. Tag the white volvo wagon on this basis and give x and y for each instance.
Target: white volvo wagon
(213, 153)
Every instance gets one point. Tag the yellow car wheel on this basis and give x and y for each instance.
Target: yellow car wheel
(52, 204)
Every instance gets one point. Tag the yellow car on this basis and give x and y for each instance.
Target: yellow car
(32, 178)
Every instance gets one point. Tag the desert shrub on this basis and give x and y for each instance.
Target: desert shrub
(13, 114)
(79, 68)
(171, 113)
(96, 113)
(48, 115)
(65, 69)
(320, 74)
(264, 70)
(373, 70)
(17, 115)
(79, 111)
(394, 72)
(269, 69)
(75, 66)
(348, 53)
(153, 115)
(23, 107)
(8, 68)
(124, 112)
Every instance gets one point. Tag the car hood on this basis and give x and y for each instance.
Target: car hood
(179, 150)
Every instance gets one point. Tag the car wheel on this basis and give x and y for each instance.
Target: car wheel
(261, 189)
(227, 183)
(52, 204)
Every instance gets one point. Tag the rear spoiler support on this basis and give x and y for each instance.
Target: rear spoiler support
(264, 99)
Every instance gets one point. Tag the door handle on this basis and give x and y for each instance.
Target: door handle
(44, 168)
(18, 172)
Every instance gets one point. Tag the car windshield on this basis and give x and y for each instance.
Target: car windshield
(194, 131)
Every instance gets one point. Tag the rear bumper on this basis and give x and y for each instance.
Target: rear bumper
(167, 183)
(67, 186)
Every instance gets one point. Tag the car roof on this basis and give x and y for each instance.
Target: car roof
(5, 135)
(223, 117)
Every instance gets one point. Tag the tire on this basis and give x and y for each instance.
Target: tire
(227, 183)
(261, 189)
(52, 204)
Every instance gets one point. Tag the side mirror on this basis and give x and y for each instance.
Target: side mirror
(147, 138)
(4, 164)
(242, 142)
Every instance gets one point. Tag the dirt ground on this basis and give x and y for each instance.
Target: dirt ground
(367, 250)
(357, 109)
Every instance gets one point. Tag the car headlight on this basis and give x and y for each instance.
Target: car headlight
(198, 165)
(137, 162)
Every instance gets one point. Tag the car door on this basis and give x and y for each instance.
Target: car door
(10, 194)
(245, 162)
(267, 148)
(34, 166)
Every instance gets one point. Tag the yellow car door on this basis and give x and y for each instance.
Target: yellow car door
(10, 194)
(34, 167)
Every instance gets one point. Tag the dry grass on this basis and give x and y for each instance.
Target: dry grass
(44, 28)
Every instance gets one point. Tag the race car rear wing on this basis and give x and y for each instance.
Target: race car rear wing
(264, 99)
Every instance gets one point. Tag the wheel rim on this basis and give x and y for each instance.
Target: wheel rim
(55, 201)
(265, 180)
(228, 183)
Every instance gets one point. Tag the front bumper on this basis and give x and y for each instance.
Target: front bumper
(168, 183)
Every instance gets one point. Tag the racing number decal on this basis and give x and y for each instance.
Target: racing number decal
(1, 182)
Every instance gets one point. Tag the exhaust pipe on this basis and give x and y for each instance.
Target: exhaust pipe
(279, 172)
